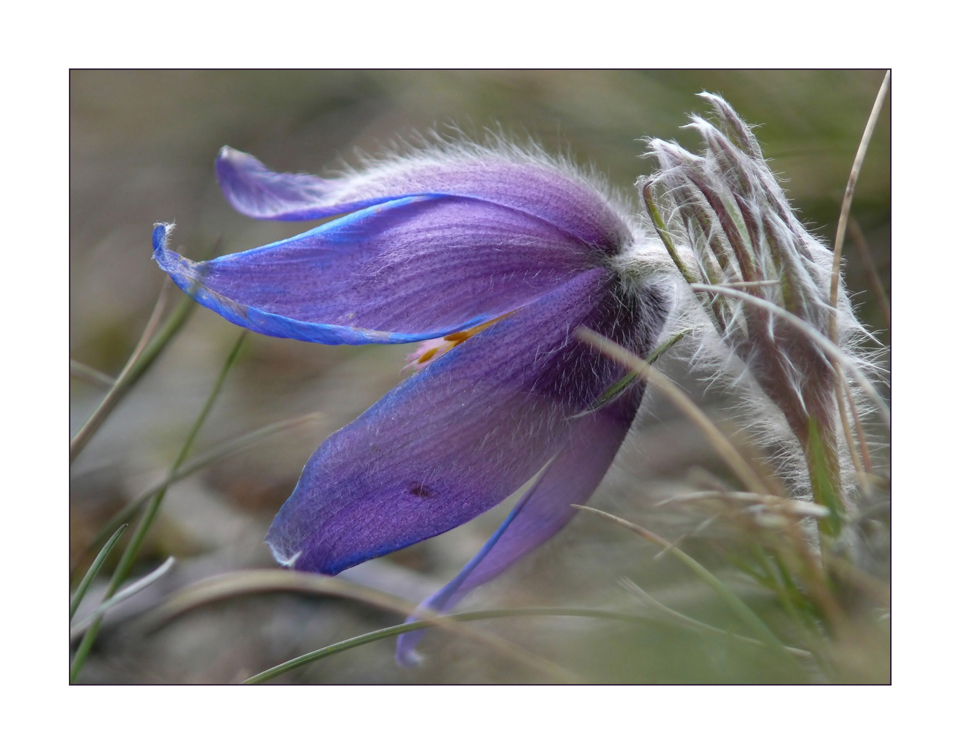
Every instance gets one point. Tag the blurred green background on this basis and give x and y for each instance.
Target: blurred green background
(143, 145)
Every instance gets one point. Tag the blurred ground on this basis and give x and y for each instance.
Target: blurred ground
(142, 151)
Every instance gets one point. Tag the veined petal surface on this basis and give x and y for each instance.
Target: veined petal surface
(404, 270)
(458, 437)
(542, 190)
(569, 479)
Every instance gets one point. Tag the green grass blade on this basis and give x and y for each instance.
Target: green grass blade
(386, 633)
(416, 625)
(136, 367)
(664, 233)
(680, 619)
(823, 482)
(211, 456)
(125, 594)
(133, 547)
(93, 570)
(724, 448)
(736, 605)
(614, 391)
(342, 646)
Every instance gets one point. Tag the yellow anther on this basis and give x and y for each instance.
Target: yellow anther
(437, 347)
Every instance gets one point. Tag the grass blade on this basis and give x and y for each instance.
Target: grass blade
(736, 605)
(89, 374)
(93, 570)
(272, 580)
(139, 362)
(848, 199)
(133, 547)
(268, 581)
(623, 383)
(124, 594)
(213, 455)
(794, 507)
(452, 619)
(873, 277)
(685, 620)
(720, 443)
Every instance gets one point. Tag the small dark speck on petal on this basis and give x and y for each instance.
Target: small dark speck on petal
(420, 490)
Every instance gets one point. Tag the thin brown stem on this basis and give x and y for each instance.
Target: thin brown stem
(847, 434)
(848, 200)
(861, 435)
(866, 259)
(146, 350)
(720, 443)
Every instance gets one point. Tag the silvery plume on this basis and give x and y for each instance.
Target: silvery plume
(761, 299)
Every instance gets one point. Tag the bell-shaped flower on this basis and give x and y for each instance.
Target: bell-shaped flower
(495, 257)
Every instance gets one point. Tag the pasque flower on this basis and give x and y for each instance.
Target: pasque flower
(495, 257)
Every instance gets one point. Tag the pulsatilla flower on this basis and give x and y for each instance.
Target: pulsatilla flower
(492, 256)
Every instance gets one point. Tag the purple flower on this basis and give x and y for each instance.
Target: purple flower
(500, 256)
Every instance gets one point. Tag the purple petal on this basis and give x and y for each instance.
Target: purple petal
(553, 194)
(405, 270)
(260, 193)
(569, 479)
(460, 436)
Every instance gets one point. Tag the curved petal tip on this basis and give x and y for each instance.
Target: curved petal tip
(406, 655)
(285, 559)
(160, 233)
(228, 156)
(169, 261)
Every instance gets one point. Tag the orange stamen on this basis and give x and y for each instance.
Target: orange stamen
(428, 355)
(437, 347)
